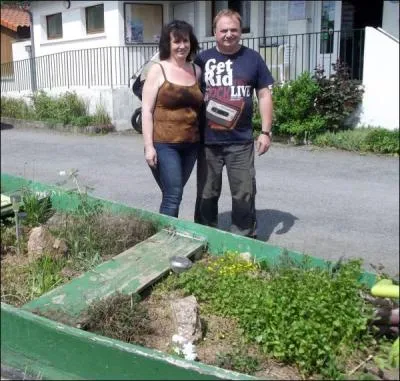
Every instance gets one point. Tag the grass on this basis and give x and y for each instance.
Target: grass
(365, 139)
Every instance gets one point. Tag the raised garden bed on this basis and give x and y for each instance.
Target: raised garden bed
(51, 349)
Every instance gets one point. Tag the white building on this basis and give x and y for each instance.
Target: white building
(93, 47)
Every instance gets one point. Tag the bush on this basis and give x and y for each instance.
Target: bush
(381, 141)
(16, 108)
(338, 96)
(377, 140)
(294, 111)
(101, 117)
(64, 109)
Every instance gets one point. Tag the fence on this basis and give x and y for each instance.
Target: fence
(287, 57)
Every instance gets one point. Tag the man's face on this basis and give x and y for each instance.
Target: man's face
(227, 34)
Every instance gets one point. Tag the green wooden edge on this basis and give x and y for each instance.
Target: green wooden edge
(45, 349)
(56, 351)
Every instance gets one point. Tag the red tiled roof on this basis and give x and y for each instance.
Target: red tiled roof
(12, 18)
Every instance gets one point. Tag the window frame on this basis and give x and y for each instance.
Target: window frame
(125, 21)
(214, 13)
(95, 30)
(57, 36)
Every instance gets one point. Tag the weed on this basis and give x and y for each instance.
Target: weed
(38, 209)
(238, 360)
(45, 275)
(119, 316)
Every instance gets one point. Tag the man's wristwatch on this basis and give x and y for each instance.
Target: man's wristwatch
(268, 133)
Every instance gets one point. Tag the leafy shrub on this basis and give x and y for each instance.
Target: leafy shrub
(294, 111)
(16, 108)
(377, 140)
(81, 121)
(310, 126)
(62, 109)
(338, 97)
(381, 141)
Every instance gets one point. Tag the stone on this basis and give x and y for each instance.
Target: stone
(41, 242)
(186, 318)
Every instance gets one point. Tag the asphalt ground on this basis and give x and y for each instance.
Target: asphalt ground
(323, 202)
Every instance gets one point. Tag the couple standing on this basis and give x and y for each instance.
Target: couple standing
(203, 111)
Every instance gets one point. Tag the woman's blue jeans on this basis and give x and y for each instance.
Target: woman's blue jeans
(175, 164)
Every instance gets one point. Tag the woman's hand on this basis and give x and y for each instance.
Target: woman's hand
(150, 155)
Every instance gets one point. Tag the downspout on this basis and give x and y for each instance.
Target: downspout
(32, 54)
(265, 12)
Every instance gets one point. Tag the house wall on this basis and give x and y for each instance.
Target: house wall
(380, 106)
(74, 27)
(390, 18)
(19, 50)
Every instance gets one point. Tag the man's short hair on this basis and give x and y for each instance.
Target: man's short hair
(228, 13)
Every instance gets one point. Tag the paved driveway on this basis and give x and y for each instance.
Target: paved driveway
(325, 203)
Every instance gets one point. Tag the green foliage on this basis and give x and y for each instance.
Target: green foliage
(238, 360)
(45, 275)
(381, 140)
(306, 316)
(101, 117)
(16, 108)
(377, 140)
(37, 208)
(294, 111)
(308, 127)
(338, 97)
(62, 109)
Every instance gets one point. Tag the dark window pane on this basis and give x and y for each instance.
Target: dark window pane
(54, 26)
(95, 19)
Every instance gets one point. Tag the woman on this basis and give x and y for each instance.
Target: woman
(170, 113)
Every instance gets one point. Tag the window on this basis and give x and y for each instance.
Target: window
(276, 22)
(95, 19)
(143, 23)
(54, 26)
(242, 7)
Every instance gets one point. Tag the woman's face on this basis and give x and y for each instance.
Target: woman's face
(180, 46)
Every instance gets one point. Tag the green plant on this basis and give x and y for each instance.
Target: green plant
(38, 209)
(377, 140)
(338, 95)
(310, 317)
(45, 275)
(16, 108)
(238, 360)
(381, 140)
(62, 109)
(294, 110)
(101, 117)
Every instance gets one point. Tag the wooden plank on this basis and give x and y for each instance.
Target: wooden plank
(129, 272)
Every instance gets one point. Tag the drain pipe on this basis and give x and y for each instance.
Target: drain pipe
(32, 57)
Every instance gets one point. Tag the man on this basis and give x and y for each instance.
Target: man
(231, 73)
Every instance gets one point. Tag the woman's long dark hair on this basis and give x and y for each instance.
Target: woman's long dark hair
(180, 30)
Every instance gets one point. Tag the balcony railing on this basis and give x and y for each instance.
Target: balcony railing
(287, 56)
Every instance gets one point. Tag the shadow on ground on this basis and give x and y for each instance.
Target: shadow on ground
(6, 126)
(269, 221)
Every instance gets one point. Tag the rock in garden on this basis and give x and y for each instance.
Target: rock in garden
(185, 315)
(41, 242)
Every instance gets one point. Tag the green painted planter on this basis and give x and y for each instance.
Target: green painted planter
(46, 349)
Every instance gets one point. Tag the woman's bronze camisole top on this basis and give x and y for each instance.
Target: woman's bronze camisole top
(176, 112)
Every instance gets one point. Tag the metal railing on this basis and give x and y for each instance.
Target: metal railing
(287, 56)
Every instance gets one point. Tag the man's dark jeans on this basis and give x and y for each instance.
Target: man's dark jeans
(175, 164)
(239, 162)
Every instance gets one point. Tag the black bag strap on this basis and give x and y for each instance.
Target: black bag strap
(194, 70)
